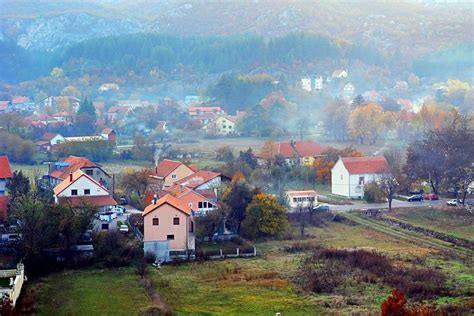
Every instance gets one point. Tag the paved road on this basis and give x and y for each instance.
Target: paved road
(359, 205)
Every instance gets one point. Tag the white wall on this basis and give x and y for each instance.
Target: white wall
(357, 190)
(81, 184)
(57, 140)
(340, 179)
(214, 183)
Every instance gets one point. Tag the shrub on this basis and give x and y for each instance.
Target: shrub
(119, 223)
(373, 193)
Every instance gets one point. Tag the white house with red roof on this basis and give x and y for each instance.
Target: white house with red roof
(48, 140)
(79, 189)
(350, 174)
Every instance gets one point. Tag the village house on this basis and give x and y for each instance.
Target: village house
(203, 180)
(339, 73)
(116, 113)
(318, 83)
(167, 172)
(132, 104)
(168, 229)
(223, 124)
(62, 116)
(79, 189)
(110, 135)
(294, 152)
(196, 111)
(350, 174)
(349, 89)
(296, 199)
(199, 201)
(306, 84)
(4, 106)
(48, 140)
(60, 170)
(5, 176)
(21, 103)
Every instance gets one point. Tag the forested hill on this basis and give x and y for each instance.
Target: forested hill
(410, 28)
(145, 53)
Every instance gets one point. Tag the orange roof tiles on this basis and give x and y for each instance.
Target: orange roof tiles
(366, 165)
(171, 200)
(5, 170)
(165, 167)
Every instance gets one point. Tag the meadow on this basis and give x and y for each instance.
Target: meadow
(268, 283)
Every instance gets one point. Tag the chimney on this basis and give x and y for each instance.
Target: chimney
(154, 199)
(181, 187)
(70, 177)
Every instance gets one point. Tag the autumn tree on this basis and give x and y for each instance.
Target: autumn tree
(323, 169)
(394, 305)
(237, 197)
(335, 117)
(370, 122)
(442, 157)
(136, 181)
(265, 216)
(268, 152)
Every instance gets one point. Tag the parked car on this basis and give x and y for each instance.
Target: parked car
(124, 229)
(452, 202)
(416, 191)
(415, 197)
(431, 196)
(321, 208)
(123, 201)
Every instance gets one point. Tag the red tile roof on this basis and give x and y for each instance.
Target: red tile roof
(107, 130)
(165, 167)
(170, 200)
(302, 193)
(4, 202)
(75, 163)
(306, 148)
(97, 201)
(198, 178)
(193, 108)
(20, 99)
(5, 170)
(366, 165)
(48, 136)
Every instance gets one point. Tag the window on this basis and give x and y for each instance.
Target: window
(200, 205)
(176, 221)
(87, 191)
(191, 226)
(173, 176)
(170, 237)
(190, 205)
(230, 126)
(156, 221)
(361, 180)
(73, 192)
(90, 172)
(294, 199)
(224, 126)
(341, 176)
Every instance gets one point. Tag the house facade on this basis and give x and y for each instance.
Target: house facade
(203, 180)
(167, 172)
(306, 84)
(294, 152)
(79, 189)
(296, 199)
(199, 201)
(349, 175)
(48, 140)
(5, 176)
(168, 229)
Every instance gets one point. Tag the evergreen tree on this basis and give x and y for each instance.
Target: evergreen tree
(86, 107)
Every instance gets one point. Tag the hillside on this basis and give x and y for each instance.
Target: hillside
(410, 28)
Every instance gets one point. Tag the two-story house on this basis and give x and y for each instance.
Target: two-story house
(306, 198)
(294, 152)
(168, 229)
(167, 172)
(5, 176)
(80, 189)
(200, 201)
(203, 180)
(350, 174)
(223, 124)
(60, 170)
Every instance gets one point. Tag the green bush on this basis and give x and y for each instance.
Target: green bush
(373, 193)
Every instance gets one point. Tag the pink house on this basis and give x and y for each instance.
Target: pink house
(168, 229)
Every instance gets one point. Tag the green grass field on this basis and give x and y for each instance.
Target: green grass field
(258, 286)
(92, 292)
(455, 221)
